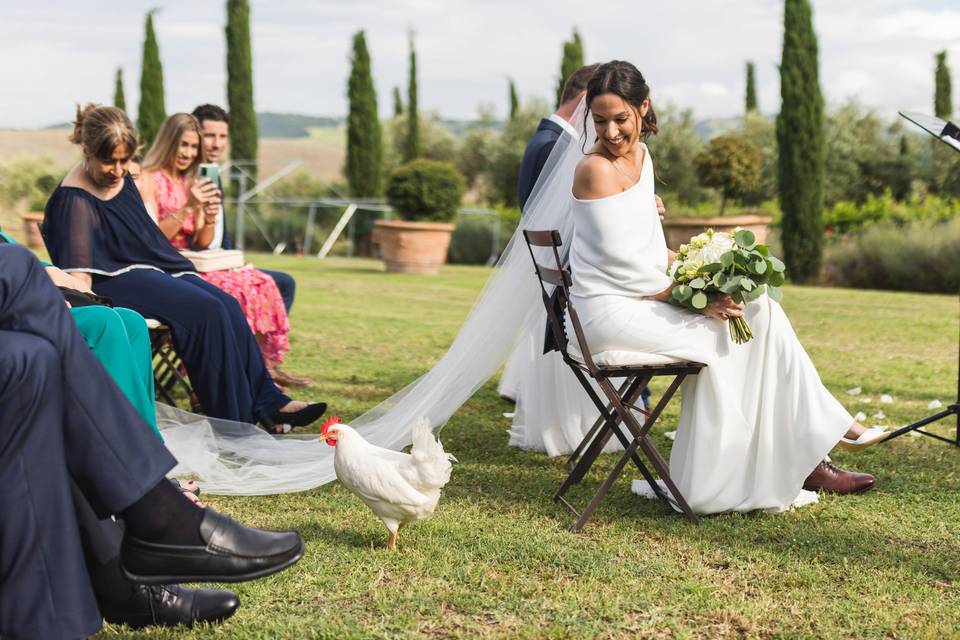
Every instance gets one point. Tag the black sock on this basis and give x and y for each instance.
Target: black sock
(165, 516)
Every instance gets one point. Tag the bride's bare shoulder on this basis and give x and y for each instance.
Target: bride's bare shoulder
(595, 177)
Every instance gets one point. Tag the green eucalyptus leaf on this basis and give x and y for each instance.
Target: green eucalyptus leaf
(711, 267)
(698, 283)
(745, 238)
(699, 300)
(755, 293)
(775, 293)
(737, 296)
(777, 264)
(727, 259)
(747, 284)
(762, 250)
(759, 266)
(776, 278)
(731, 284)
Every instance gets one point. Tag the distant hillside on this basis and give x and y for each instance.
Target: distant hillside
(292, 125)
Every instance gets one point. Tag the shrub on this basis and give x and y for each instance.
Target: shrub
(731, 164)
(28, 180)
(846, 216)
(920, 256)
(472, 240)
(426, 190)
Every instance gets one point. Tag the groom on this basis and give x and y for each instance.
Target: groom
(549, 131)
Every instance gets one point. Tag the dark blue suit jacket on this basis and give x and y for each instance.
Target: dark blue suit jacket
(535, 156)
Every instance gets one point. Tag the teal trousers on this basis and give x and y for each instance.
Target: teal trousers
(120, 340)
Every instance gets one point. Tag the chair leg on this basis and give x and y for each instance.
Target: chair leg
(642, 440)
(572, 460)
(633, 387)
(610, 426)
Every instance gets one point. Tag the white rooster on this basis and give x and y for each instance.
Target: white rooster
(399, 487)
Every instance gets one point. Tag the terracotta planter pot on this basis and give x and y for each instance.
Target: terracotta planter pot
(680, 230)
(31, 229)
(413, 247)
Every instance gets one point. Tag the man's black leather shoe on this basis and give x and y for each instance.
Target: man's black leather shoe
(232, 553)
(170, 605)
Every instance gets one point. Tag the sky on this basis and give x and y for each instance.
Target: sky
(55, 53)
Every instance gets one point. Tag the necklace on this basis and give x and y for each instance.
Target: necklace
(631, 179)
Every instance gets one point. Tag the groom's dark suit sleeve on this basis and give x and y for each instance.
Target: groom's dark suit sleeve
(535, 157)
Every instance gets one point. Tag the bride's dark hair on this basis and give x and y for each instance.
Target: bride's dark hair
(625, 80)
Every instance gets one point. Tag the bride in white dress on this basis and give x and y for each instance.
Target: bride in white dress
(756, 423)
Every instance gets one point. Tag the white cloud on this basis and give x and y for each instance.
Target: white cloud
(57, 52)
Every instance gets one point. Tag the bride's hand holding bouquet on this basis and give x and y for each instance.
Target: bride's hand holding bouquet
(717, 272)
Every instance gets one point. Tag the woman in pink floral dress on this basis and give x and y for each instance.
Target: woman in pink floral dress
(186, 210)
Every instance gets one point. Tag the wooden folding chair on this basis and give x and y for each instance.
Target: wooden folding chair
(167, 367)
(619, 409)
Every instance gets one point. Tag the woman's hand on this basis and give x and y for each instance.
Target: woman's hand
(63, 279)
(722, 307)
(211, 209)
(660, 208)
(201, 192)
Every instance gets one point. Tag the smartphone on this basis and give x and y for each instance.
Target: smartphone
(211, 172)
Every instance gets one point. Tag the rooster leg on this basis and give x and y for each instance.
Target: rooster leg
(392, 540)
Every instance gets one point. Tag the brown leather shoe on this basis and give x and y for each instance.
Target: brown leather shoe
(285, 379)
(832, 479)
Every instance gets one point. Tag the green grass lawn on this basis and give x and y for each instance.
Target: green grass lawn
(498, 559)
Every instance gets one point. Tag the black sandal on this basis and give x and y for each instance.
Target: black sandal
(301, 418)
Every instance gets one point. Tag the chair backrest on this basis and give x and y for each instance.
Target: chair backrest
(561, 279)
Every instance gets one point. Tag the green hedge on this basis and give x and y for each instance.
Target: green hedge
(918, 256)
(847, 216)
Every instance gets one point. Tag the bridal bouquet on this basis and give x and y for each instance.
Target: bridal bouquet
(733, 263)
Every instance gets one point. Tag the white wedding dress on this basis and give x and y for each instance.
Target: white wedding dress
(756, 421)
(553, 413)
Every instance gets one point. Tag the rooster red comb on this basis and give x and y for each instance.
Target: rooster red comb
(329, 423)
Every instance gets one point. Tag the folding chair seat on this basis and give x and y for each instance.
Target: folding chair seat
(620, 376)
(168, 367)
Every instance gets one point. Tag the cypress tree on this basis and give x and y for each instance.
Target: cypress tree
(572, 60)
(243, 117)
(118, 99)
(412, 147)
(151, 112)
(942, 101)
(514, 101)
(800, 138)
(751, 99)
(397, 103)
(364, 149)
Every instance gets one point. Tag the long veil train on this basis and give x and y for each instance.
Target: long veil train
(231, 458)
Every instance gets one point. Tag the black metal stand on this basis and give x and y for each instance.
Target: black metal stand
(949, 134)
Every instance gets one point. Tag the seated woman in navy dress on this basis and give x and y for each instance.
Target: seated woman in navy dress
(97, 229)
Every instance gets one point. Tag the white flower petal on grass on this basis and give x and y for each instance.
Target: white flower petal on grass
(854, 392)
(886, 398)
(879, 415)
(866, 400)
(934, 404)
(671, 435)
(860, 416)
